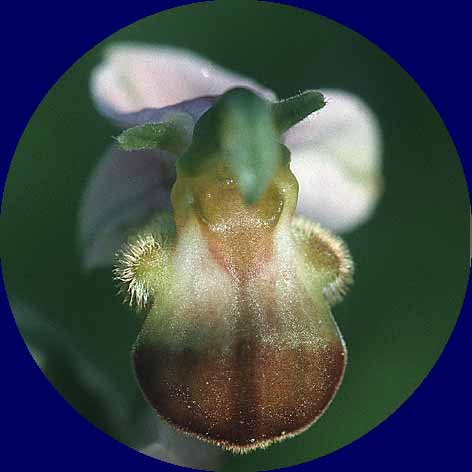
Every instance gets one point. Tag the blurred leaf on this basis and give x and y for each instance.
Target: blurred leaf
(81, 383)
(176, 447)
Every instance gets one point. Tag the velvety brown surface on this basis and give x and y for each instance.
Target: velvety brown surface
(254, 394)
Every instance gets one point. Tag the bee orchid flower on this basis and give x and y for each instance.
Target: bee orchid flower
(207, 193)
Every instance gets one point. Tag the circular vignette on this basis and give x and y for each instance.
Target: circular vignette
(356, 242)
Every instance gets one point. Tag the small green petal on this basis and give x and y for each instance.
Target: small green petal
(291, 111)
(172, 135)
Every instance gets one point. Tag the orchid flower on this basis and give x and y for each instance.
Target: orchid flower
(198, 200)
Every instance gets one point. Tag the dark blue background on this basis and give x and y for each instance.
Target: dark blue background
(41, 41)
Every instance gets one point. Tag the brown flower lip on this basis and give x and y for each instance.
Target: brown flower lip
(246, 396)
(239, 347)
(235, 410)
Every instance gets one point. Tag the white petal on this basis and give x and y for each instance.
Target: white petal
(183, 450)
(194, 109)
(133, 77)
(336, 157)
(125, 190)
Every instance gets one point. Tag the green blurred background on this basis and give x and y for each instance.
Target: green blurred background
(412, 257)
